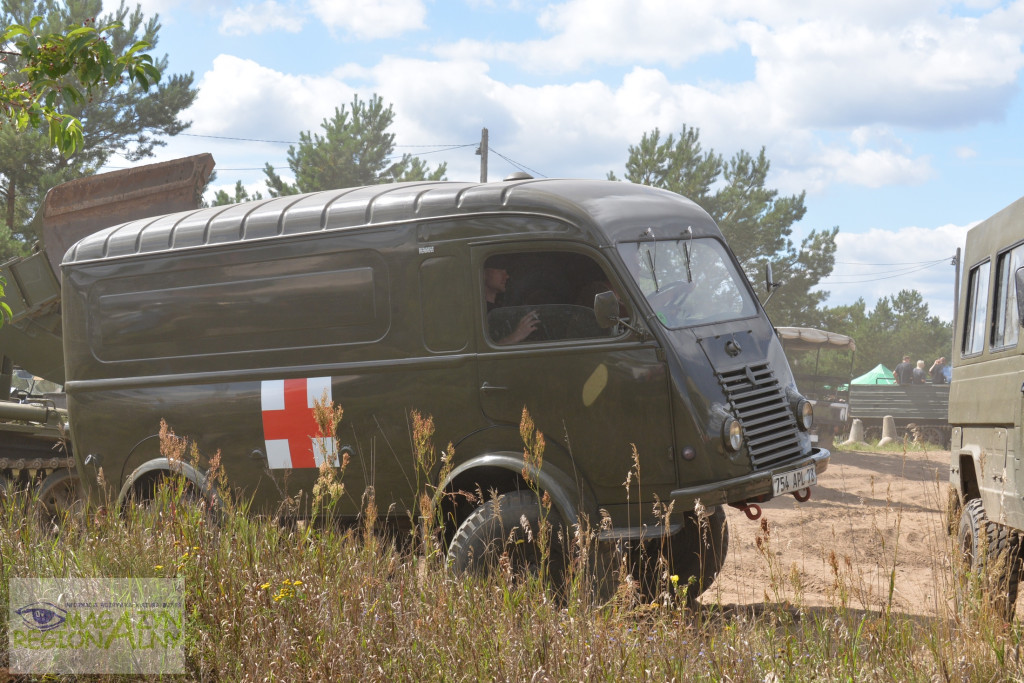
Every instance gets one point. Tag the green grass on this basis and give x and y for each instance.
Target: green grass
(287, 603)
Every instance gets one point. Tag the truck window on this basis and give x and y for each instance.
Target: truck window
(542, 297)
(1004, 331)
(688, 281)
(977, 310)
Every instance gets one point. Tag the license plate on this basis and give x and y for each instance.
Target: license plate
(794, 480)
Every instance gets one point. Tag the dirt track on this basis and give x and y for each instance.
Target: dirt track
(869, 514)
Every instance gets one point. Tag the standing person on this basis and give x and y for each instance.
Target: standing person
(938, 371)
(919, 374)
(904, 372)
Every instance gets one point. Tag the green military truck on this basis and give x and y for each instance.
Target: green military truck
(614, 313)
(919, 411)
(986, 400)
(34, 448)
(822, 362)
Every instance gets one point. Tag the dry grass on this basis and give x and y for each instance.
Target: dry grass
(277, 602)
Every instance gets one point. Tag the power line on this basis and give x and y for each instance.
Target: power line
(892, 263)
(225, 137)
(518, 165)
(830, 279)
(910, 267)
(454, 145)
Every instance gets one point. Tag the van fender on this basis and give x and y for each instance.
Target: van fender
(567, 496)
(965, 472)
(157, 468)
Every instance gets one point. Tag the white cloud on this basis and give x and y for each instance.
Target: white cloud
(371, 19)
(965, 152)
(936, 71)
(262, 18)
(240, 98)
(911, 62)
(611, 32)
(879, 263)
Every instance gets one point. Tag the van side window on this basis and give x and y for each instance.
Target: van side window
(542, 297)
(1005, 326)
(977, 310)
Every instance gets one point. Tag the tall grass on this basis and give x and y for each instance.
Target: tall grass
(283, 602)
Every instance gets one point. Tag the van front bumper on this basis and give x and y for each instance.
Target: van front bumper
(756, 486)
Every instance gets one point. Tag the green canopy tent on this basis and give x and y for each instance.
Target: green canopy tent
(877, 375)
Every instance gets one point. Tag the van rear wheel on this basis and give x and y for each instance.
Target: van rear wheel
(991, 557)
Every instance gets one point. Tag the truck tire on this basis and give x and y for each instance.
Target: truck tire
(695, 554)
(991, 554)
(495, 529)
(60, 497)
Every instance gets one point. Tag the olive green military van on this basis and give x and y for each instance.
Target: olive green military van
(986, 400)
(614, 313)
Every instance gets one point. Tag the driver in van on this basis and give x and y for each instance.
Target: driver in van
(496, 279)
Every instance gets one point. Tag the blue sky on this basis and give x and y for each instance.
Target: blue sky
(902, 119)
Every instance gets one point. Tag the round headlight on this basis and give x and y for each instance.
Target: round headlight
(805, 414)
(733, 434)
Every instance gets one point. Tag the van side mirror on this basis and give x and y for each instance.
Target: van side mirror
(606, 309)
(1018, 281)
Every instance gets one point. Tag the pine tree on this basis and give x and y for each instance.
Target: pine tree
(355, 149)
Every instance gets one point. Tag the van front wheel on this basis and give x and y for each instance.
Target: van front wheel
(694, 554)
(991, 557)
(504, 534)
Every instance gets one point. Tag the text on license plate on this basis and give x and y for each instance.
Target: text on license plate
(794, 480)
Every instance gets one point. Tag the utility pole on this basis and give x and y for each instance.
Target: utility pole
(482, 151)
(956, 300)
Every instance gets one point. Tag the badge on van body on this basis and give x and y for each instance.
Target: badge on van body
(289, 429)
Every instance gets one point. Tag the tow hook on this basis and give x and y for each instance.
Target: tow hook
(751, 510)
(803, 495)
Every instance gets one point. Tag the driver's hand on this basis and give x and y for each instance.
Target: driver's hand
(527, 324)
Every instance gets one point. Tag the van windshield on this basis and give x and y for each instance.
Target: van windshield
(688, 281)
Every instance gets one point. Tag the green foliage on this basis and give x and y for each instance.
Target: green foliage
(121, 115)
(241, 195)
(900, 323)
(755, 220)
(64, 68)
(354, 150)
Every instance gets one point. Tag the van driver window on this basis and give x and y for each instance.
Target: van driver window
(977, 310)
(542, 297)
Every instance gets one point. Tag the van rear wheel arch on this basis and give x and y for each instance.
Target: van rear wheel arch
(144, 480)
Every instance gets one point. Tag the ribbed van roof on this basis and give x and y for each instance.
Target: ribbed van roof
(603, 203)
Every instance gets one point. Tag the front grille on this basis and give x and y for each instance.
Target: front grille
(760, 405)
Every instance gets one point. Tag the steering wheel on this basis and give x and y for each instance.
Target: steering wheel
(680, 290)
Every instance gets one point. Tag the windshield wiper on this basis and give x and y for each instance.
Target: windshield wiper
(686, 252)
(654, 276)
(649, 232)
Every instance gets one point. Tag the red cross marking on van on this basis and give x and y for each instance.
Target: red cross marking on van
(289, 428)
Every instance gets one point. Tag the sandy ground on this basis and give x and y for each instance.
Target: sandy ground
(874, 527)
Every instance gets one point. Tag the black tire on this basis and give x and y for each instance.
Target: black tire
(991, 554)
(495, 529)
(695, 554)
(167, 500)
(61, 497)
